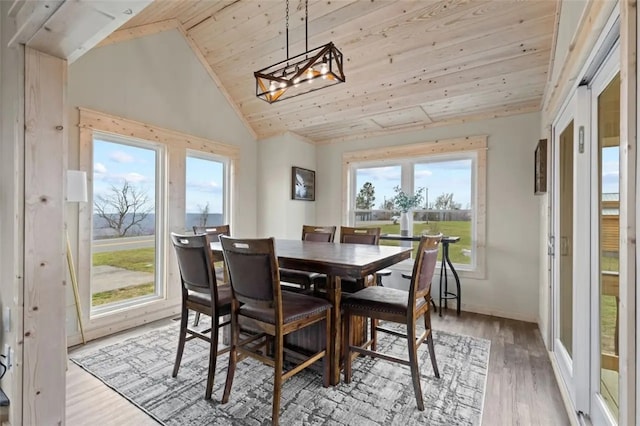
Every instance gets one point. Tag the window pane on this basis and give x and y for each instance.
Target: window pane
(124, 223)
(204, 192)
(373, 198)
(448, 188)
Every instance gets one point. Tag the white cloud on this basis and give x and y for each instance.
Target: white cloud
(134, 177)
(423, 173)
(120, 157)
(99, 168)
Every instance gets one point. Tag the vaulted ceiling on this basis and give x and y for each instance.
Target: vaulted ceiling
(408, 64)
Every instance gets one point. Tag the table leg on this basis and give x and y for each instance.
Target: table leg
(334, 294)
(455, 275)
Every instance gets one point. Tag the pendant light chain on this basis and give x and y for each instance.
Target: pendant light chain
(287, 20)
(306, 25)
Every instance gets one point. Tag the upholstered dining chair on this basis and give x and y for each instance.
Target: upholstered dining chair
(213, 232)
(200, 293)
(255, 282)
(358, 235)
(399, 306)
(304, 281)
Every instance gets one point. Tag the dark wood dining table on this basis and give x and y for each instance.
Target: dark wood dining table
(335, 260)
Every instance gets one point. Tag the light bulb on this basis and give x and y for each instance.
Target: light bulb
(310, 74)
(324, 68)
(272, 87)
(283, 85)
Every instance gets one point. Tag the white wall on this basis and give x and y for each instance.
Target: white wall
(511, 285)
(158, 80)
(280, 216)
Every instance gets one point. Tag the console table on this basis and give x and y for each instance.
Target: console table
(445, 294)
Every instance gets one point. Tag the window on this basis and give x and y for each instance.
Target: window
(127, 182)
(450, 176)
(204, 190)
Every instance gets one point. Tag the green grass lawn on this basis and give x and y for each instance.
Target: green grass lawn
(460, 229)
(141, 260)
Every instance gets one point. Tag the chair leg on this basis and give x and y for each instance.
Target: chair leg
(233, 356)
(433, 302)
(196, 319)
(184, 318)
(326, 361)
(413, 363)
(374, 334)
(277, 379)
(432, 352)
(346, 350)
(213, 356)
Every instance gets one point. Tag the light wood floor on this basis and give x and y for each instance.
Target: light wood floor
(521, 387)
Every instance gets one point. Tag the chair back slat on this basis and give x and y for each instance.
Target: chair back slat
(350, 235)
(253, 270)
(323, 234)
(212, 231)
(194, 259)
(424, 267)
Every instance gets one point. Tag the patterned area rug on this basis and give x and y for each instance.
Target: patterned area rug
(380, 393)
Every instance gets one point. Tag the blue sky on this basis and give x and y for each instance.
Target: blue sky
(611, 170)
(451, 176)
(113, 163)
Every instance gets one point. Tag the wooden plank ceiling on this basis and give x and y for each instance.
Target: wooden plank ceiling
(408, 64)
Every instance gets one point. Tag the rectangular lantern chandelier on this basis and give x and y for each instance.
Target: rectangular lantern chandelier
(307, 72)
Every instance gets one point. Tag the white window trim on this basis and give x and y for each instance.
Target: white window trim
(477, 144)
(176, 145)
(159, 191)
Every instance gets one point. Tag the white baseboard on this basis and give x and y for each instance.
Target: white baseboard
(478, 309)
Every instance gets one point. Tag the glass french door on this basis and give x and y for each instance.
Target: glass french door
(563, 244)
(585, 231)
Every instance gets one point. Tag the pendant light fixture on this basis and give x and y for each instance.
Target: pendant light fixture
(307, 72)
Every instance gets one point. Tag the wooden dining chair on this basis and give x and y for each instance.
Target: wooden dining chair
(255, 282)
(213, 232)
(304, 281)
(399, 306)
(359, 235)
(200, 293)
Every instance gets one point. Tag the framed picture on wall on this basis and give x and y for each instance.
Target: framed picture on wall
(303, 184)
(540, 168)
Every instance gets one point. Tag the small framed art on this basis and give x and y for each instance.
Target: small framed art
(540, 168)
(303, 184)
